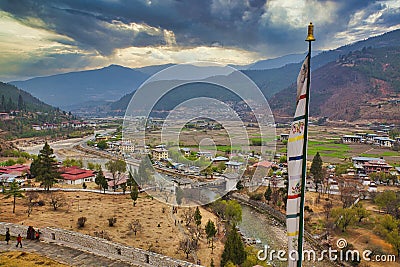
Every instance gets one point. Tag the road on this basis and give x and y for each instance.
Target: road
(61, 147)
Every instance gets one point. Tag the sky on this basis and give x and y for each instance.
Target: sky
(39, 38)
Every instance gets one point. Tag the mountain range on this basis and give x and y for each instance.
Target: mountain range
(108, 90)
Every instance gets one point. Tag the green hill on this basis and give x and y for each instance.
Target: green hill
(12, 98)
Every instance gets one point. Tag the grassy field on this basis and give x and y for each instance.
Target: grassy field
(328, 149)
(26, 259)
(159, 232)
(326, 141)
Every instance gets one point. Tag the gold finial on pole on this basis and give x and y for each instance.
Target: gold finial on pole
(310, 36)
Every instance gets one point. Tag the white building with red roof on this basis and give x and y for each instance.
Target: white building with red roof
(17, 169)
(75, 175)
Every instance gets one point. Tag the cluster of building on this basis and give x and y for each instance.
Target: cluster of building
(65, 124)
(70, 176)
(115, 145)
(16, 173)
(360, 175)
(382, 140)
(76, 176)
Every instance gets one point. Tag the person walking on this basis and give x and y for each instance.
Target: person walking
(37, 236)
(19, 240)
(8, 236)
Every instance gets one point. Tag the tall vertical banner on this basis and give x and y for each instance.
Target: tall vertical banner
(296, 155)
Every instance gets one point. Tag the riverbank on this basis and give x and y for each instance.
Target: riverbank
(269, 225)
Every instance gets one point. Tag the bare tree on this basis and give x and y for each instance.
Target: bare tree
(57, 200)
(117, 169)
(30, 197)
(327, 208)
(188, 215)
(135, 226)
(81, 222)
(349, 191)
(187, 245)
(112, 221)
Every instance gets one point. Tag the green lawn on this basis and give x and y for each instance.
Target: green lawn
(382, 154)
(328, 149)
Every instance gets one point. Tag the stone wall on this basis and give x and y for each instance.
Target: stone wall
(97, 246)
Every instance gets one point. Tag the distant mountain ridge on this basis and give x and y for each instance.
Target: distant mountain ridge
(362, 85)
(66, 89)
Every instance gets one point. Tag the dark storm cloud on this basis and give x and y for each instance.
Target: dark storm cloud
(390, 18)
(238, 23)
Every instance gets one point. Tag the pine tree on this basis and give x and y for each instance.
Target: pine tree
(316, 170)
(14, 191)
(268, 193)
(10, 105)
(134, 194)
(234, 248)
(211, 231)
(20, 103)
(131, 181)
(44, 168)
(179, 195)
(197, 217)
(99, 180)
(3, 104)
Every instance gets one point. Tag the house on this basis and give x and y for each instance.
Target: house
(284, 137)
(127, 147)
(219, 159)
(351, 139)
(370, 137)
(333, 186)
(384, 141)
(363, 135)
(18, 169)
(159, 154)
(264, 164)
(372, 187)
(75, 175)
(366, 181)
(206, 155)
(101, 137)
(185, 151)
(4, 116)
(7, 178)
(233, 165)
(36, 127)
(119, 181)
(76, 124)
(368, 165)
(376, 166)
(361, 160)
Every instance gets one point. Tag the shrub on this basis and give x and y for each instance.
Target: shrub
(307, 208)
(257, 196)
(81, 222)
(112, 221)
